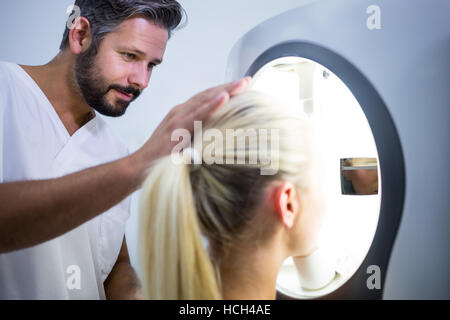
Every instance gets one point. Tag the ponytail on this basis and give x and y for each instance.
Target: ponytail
(174, 263)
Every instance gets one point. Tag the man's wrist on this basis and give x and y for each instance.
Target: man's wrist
(137, 165)
(133, 170)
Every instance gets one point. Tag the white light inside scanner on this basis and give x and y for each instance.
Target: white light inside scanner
(350, 221)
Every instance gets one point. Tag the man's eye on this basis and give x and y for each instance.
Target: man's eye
(129, 56)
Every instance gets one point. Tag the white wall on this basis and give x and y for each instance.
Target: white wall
(195, 58)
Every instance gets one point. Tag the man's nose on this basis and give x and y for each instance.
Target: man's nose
(140, 77)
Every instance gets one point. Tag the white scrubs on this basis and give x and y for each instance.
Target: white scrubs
(34, 144)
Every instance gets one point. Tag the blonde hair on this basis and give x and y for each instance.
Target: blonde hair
(182, 204)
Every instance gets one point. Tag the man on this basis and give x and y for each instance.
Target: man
(64, 176)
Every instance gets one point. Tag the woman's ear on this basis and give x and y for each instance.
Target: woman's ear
(286, 203)
(80, 37)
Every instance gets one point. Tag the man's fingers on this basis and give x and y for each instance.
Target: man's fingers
(242, 85)
(232, 88)
(205, 98)
(235, 87)
(208, 108)
(204, 111)
(204, 104)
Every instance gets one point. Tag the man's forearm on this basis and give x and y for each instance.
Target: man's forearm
(32, 212)
(123, 283)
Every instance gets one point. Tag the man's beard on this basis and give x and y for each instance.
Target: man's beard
(94, 87)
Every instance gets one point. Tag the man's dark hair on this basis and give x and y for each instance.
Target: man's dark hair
(106, 15)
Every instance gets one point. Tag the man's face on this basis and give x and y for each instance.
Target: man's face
(116, 76)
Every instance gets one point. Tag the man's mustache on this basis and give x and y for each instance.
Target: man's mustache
(127, 90)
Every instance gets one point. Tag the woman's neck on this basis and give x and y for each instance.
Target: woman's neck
(251, 273)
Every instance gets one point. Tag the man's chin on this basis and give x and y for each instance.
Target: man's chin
(111, 111)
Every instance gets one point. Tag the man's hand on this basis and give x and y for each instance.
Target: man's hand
(198, 108)
(32, 212)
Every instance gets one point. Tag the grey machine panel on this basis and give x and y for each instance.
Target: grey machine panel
(400, 75)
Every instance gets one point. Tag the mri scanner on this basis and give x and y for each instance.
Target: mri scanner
(375, 78)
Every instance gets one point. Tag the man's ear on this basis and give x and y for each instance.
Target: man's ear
(80, 37)
(286, 203)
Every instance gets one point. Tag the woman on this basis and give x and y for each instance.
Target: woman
(251, 222)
